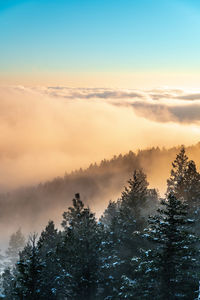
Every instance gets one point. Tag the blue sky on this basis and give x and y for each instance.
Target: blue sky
(99, 36)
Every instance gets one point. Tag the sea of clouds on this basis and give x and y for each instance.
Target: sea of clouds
(47, 130)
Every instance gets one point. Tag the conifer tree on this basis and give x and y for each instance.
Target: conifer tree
(130, 217)
(28, 272)
(80, 251)
(122, 238)
(184, 183)
(192, 185)
(8, 285)
(51, 275)
(167, 271)
(134, 195)
(16, 244)
(110, 213)
(176, 182)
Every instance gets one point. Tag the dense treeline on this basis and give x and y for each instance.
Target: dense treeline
(142, 247)
(96, 184)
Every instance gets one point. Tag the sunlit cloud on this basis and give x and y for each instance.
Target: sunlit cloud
(160, 105)
(189, 114)
(45, 131)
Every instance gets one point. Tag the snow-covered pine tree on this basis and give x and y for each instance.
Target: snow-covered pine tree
(122, 239)
(51, 275)
(130, 217)
(167, 271)
(8, 285)
(184, 183)
(135, 194)
(79, 253)
(28, 272)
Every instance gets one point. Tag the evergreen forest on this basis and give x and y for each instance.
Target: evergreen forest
(144, 246)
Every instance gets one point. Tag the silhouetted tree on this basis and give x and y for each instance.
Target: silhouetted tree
(176, 182)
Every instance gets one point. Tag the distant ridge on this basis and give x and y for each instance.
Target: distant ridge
(32, 207)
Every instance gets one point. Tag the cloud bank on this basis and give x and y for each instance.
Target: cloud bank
(45, 131)
(189, 114)
(161, 105)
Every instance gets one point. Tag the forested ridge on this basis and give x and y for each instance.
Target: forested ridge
(97, 184)
(142, 247)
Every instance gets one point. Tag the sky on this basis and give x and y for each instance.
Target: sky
(126, 43)
(81, 81)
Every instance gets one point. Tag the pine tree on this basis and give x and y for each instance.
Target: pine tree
(122, 239)
(130, 218)
(192, 185)
(8, 285)
(176, 182)
(16, 244)
(110, 213)
(51, 275)
(79, 252)
(135, 194)
(184, 181)
(28, 272)
(168, 271)
(185, 184)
